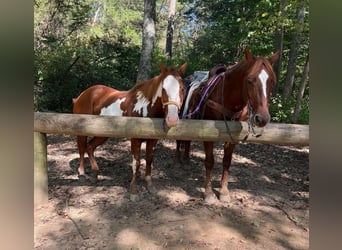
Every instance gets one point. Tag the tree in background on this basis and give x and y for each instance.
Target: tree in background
(78, 44)
(148, 37)
(294, 51)
(170, 28)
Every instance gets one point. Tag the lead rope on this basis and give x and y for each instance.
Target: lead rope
(249, 121)
(204, 95)
(224, 116)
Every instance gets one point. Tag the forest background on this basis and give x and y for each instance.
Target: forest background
(79, 43)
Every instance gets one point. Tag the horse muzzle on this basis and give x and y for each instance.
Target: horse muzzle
(172, 116)
(171, 121)
(260, 120)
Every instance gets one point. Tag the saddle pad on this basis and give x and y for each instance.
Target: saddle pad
(197, 79)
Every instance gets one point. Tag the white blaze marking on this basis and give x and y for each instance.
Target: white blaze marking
(141, 105)
(113, 109)
(171, 87)
(263, 76)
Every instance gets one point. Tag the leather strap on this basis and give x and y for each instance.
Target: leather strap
(218, 107)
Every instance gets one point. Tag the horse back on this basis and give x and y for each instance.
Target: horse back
(94, 98)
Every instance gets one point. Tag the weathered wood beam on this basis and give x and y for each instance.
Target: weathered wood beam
(195, 130)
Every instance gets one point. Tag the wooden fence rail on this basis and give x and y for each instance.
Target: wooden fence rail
(133, 127)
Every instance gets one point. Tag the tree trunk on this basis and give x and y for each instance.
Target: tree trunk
(40, 169)
(301, 90)
(170, 26)
(149, 30)
(279, 38)
(291, 66)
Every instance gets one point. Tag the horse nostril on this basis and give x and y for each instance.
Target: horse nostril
(259, 120)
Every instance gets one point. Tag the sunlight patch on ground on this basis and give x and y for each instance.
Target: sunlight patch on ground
(210, 231)
(175, 197)
(243, 160)
(129, 238)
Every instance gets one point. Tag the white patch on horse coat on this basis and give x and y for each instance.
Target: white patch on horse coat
(113, 109)
(157, 94)
(141, 105)
(263, 76)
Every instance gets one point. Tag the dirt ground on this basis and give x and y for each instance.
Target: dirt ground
(269, 207)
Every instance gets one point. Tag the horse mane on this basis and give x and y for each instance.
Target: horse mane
(267, 64)
(150, 87)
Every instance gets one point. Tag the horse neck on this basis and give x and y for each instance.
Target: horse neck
(150, 89)
(233, 84)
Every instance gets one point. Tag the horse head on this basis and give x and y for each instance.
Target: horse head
(258, 83)
(172, 92)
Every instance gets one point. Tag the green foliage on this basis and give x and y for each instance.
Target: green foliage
(81, 43)
(282, 111)
(304, 115)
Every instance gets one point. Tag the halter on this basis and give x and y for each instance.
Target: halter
(166, 104)
(171, 103)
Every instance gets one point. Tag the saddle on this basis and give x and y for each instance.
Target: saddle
(203, 89)
(217, 70)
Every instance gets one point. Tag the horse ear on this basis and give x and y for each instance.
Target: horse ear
(162, 67)
(248, 55)
(182, 69)
(274, 58)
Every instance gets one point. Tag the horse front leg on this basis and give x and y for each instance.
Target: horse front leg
(209, 195)
(135, 150)
(227, 159)
(150, 146)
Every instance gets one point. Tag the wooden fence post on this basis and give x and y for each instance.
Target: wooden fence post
(40, 169)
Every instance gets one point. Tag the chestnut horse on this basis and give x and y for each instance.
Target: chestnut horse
(238, 92)
(161, 96)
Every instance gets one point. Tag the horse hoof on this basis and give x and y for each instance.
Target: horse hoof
(225, 198)
(134, 197)
(152, 189)
(82, 178)
(210, 199)
(93, 176)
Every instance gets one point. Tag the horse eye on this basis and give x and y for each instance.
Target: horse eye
(250, 79)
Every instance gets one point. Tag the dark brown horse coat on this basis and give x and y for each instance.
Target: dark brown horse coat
(238, 92)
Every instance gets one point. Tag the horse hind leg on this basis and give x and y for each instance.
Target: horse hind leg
(92, 145)
(183, 151)
(81, 144)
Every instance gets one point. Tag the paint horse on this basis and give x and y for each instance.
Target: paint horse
(159, 97)
(240, 92)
